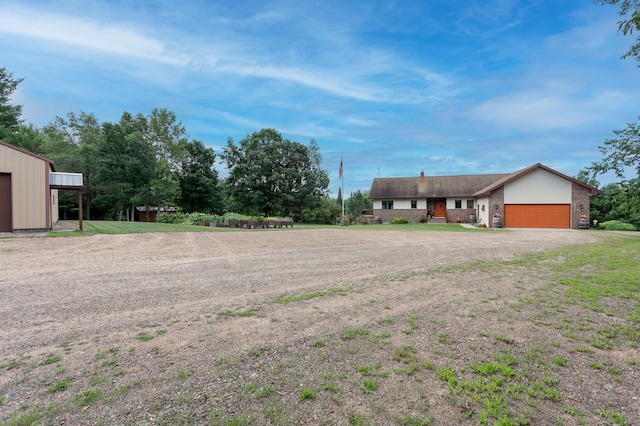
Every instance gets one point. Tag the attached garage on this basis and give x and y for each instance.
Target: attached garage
(537, 216)
(536, 197)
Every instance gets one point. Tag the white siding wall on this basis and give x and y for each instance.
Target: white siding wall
(483, 216)
(401, 204)
(377, 204)
(538, 187)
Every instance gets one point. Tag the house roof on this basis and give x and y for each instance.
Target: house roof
(431, 186)
(453, 186)
(513, 176)
(24, 151)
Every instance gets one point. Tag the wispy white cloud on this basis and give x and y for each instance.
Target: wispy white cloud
(92, 34)
(365, 76)
(545, 109)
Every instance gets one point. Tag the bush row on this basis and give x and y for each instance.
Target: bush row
(195, 218)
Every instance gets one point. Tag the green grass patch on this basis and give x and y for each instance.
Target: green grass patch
(354, 332)
(341, 291)
(143, 336)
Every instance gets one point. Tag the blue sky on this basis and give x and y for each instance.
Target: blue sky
(392, 87)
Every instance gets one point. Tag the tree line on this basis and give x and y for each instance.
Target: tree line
(149, 160)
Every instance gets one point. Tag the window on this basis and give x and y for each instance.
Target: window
(458, 204)
(414, 204)
(470, 204)
(387, 205)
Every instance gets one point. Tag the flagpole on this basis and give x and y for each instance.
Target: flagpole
(342, 179)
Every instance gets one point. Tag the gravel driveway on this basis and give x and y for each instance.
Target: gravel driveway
(88, 294)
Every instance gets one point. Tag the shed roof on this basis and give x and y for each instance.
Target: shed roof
(24, 151)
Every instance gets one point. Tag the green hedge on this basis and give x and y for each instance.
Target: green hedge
(616, 225)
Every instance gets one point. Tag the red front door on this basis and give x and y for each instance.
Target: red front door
(441, 208)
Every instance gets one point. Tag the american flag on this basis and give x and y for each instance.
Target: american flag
(340, 170)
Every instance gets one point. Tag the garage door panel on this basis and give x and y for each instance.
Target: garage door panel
(537, 216)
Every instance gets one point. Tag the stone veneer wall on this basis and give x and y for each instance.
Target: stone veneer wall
(496, 204)
(412, 215)
(579, 198)
(463, 214)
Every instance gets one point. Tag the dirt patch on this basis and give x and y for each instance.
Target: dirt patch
(191, 328)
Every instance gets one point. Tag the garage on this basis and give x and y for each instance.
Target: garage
(6, 224)
(537, 216)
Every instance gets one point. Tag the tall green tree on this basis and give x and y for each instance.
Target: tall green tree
(74, 144)
(630, 11)
(621, 155)
(30, 138)
(126, 166)
(169, 138)
(274, 176)
(9, 113)
(199, 180)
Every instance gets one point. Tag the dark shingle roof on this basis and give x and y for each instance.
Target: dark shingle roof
(453, 186)
(431, 186)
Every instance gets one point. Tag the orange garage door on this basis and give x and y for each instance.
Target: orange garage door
(537, 216)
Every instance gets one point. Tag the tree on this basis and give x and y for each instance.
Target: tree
(169, 138)
(77, 138)
(630, 8)
(357, 202)
(325, 213)
(126, 166)
(621, 156)
(9, 114)
(199, 180)
(29, 138)
(620, 153)
(274, 176)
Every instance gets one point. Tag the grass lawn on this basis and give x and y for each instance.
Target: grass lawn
(92, 227)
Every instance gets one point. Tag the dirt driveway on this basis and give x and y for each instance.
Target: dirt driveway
(210, 295)
(56, 290)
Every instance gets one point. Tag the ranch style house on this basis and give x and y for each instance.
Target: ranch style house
(534, 197)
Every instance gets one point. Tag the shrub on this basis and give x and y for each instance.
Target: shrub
(423, 219)
(235, 216)
(195, 218)
(399, 220)
(616, 225)
(177, 217)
